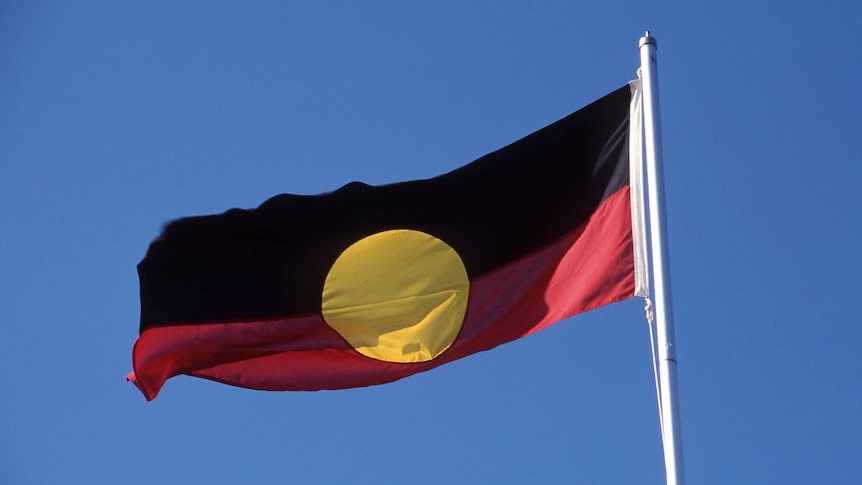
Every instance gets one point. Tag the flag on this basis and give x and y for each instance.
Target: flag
(369, 284)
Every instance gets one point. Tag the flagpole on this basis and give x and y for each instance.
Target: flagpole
(669, 400)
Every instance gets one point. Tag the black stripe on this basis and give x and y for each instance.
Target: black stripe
(272, 261)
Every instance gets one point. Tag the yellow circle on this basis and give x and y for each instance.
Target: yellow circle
(397, 296)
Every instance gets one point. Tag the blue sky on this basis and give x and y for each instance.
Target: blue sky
(117, 117)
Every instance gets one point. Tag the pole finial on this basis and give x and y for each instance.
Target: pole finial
(647, 39)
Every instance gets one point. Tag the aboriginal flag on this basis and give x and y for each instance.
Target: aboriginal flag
(370, 284)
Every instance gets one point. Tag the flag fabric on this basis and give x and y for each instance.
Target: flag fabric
(369, 284)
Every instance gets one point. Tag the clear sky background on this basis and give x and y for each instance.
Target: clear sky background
(117, 117)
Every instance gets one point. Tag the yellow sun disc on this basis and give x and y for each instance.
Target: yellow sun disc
(397, 296)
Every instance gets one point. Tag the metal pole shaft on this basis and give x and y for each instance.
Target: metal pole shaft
(671, 432)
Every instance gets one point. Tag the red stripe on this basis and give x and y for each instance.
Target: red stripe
(588, 268)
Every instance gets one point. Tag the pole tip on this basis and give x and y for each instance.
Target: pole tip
(647, 39)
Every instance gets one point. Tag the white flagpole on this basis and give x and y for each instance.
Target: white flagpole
(669, 401)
